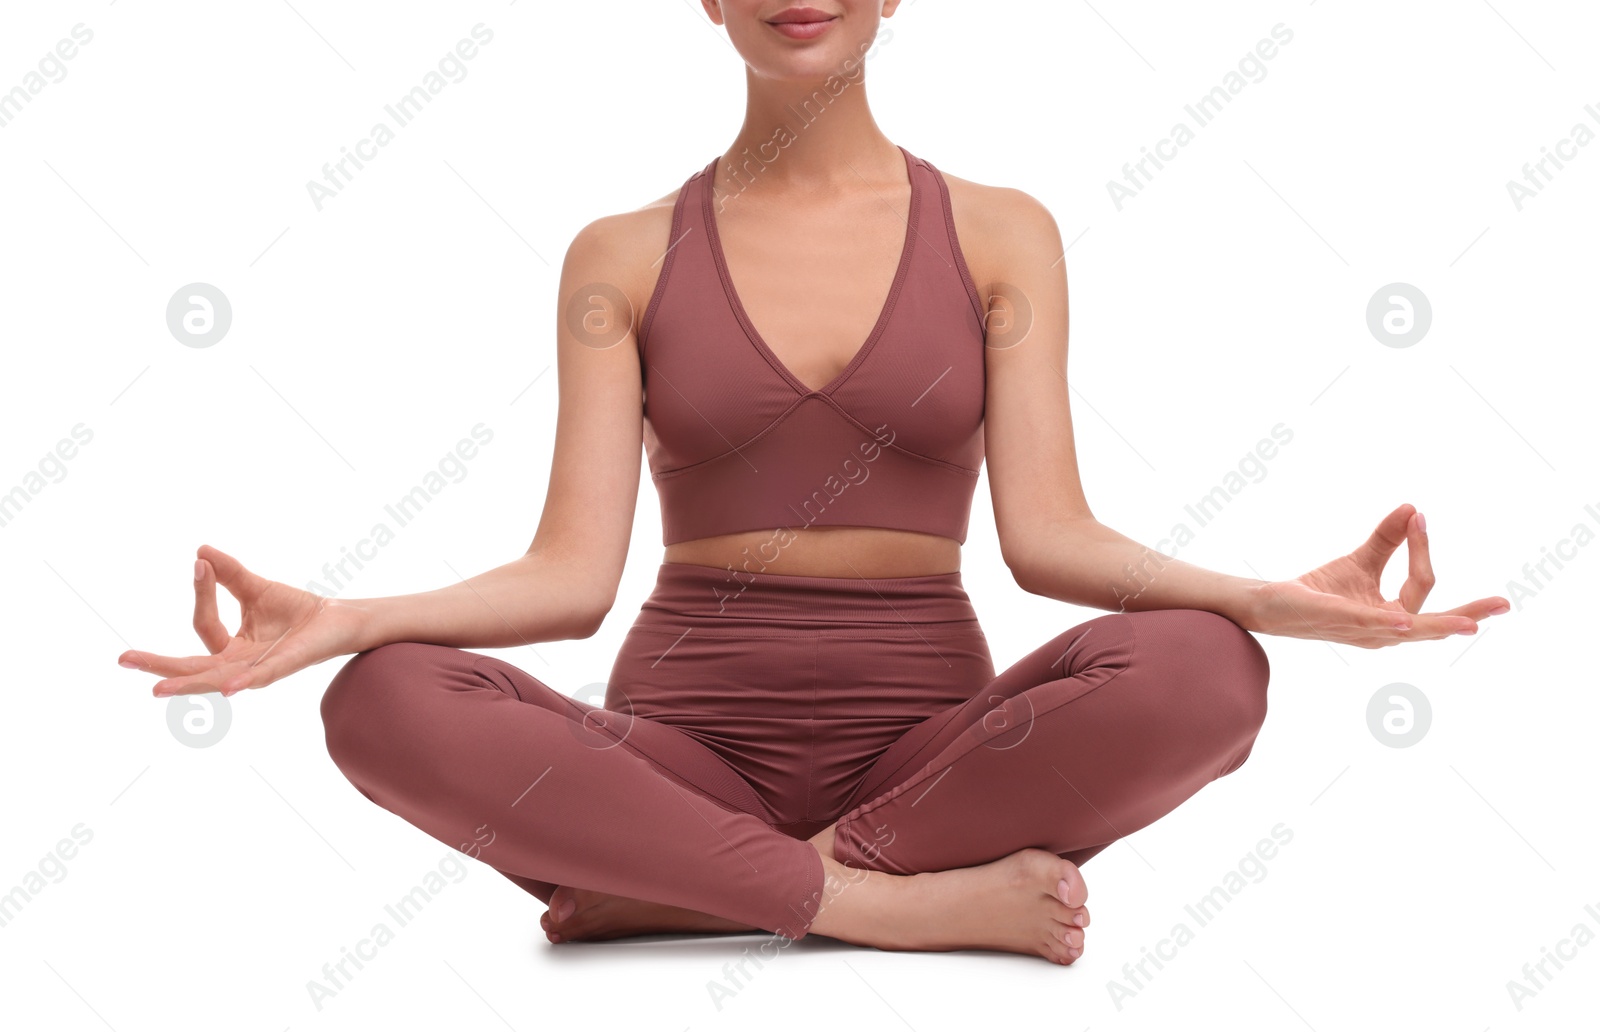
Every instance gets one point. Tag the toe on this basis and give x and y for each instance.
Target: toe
(563, 903)
(1070, 887)
(1059, 952)
(551, 920)
(1071, 935)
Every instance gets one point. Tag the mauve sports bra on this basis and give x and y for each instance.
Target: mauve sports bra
(737, 443)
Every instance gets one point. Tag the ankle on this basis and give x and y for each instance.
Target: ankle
(861, 906)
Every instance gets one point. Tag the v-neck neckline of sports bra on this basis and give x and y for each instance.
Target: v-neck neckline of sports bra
(884, 313)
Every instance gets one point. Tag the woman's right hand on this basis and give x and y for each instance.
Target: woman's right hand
(281, 629)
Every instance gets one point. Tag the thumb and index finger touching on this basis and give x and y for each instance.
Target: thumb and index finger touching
(212, 566)
(230, 572)
(1407, 524)
(1386, 537)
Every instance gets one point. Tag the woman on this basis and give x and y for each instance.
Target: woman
(803, 730)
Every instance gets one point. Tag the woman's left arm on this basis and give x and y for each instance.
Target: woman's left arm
(1049, 538)
(1087, 563)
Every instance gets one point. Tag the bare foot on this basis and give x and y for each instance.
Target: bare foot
(1031, 901)
(593, 916)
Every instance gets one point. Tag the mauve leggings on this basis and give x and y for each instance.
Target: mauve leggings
(745, 713)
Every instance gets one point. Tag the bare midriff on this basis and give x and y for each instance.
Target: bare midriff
(824, 552)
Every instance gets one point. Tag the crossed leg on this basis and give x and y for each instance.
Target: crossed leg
(1090, 737)
(1094, 735)
(1126, 715)
(553, 791)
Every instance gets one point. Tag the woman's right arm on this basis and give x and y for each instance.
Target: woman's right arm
(565, 583)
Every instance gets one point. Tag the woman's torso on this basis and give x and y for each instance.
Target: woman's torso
(780, 255)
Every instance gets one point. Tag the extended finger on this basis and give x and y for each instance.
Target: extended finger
(1419, 579)
(207, 623)
(170, 666)
(1430, 627)
(1481, 609)
(199, 684)
(217, 678)
(1374, 553)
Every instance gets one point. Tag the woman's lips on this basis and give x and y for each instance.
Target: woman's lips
(803, 29)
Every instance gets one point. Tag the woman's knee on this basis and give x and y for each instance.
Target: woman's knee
(363, 695)
(1217, 658)
(1240, 675)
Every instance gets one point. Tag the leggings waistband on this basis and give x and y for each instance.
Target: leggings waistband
(714, 593)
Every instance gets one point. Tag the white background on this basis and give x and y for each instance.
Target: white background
(368, 337)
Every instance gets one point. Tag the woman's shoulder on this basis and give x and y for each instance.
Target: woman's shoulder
(998, 226)
(624, 250)
(629, 231)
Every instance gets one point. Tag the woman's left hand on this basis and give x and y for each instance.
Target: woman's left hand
(1341, 601)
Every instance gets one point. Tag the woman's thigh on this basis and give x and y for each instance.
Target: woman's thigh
(552, 790)
(390, 705)
(1090, 737)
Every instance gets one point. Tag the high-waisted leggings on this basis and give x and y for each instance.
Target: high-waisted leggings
(745, 713)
